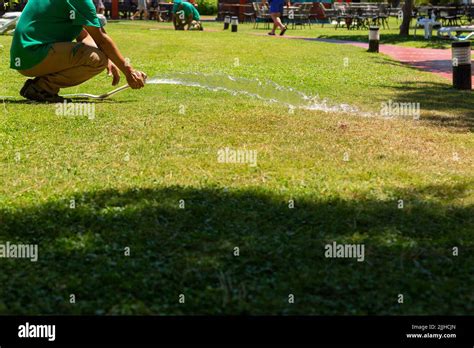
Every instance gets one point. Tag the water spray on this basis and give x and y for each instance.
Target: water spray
(263, 90)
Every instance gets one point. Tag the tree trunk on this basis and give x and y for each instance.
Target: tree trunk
(407, 13)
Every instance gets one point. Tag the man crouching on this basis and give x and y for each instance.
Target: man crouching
(185, 14)
(43, 48)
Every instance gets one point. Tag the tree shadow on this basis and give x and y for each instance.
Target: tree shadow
(182, 240)
(390, 39)
(436, 66)
(447, 107)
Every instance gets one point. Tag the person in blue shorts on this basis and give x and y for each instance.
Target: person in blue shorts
(276, 11)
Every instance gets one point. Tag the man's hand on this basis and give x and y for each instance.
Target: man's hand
(136, 79)
(113, 71)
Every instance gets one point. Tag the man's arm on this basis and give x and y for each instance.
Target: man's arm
(174, 21)
(173, 15)
(112, 69)
(135, 79)
(85, 38)
(189, 20)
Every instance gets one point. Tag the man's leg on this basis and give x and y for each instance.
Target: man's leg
(277, 21)
(180, 24)
(275, 26)
(67, 64)
(189, 21)
(282, 26)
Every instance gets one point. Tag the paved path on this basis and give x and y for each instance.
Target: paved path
(437, 61)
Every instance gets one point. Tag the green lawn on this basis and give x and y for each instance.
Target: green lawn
(387, 35)
(128, 169)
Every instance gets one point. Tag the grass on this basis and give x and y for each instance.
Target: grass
(128, 169)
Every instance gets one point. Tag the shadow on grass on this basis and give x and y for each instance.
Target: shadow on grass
(457, 106)
(390, 39)
(190, 250)
(440, 103)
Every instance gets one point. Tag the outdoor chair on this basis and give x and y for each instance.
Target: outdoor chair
(261, 16)
(301, 16)
(340, 14)
(222, 12)
(249, 15)
(395, 12)
(382, 17)
(328, 14)
(344, 19)
(469, 14)
(153, 10)
(164, 13)
(285, 16)
(108, 9)
(366, 17)
(307, 13)
(293, 18)
(8, 22)
(126, 8)
(449, 18)
(454, 33)
(357, 18)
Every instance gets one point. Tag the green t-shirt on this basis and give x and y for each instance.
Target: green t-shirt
(188, 9)
(45, 22)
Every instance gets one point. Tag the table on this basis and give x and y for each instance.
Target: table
(238, 9)
(166, 7)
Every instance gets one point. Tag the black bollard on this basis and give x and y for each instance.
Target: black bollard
(462, 71)
(374, 37)
(235, 23)
(226, 22)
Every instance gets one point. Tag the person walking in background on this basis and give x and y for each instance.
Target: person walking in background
(276, 12)
(142, 8)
